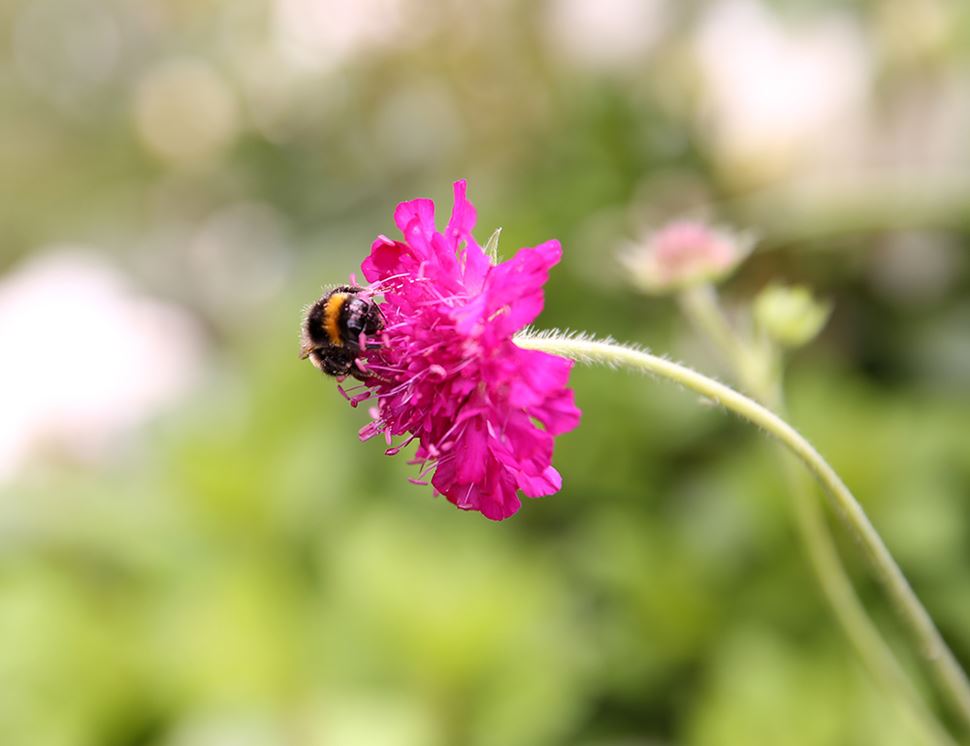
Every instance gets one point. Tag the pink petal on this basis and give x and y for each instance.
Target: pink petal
(514, 288)
(542, 373)
(548, 483)
(558, 412)
(499, 501)
(387, 258)
(463, 217)
(415, 219)
(476, 267)
(471, 452)
(445, 265)
(504, 505)
(522, 447)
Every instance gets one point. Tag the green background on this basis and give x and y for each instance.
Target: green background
(237, 569)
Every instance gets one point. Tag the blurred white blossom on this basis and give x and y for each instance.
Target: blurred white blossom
(185, 111)
(609, 35)
(324, 34)
(774, 93)
(85, 357)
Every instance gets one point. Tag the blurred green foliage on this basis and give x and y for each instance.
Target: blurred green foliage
(240, 570)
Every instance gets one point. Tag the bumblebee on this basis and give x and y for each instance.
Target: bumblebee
(332, 330)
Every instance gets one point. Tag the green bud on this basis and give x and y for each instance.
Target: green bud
(790, 315)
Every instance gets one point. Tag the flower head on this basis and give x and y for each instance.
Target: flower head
(792, 316)
(447, 372)
(684, 253)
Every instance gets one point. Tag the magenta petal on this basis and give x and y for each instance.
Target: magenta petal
(476, 267)
(500, 501)
(386, 259)
(548, 483)
(521, 446)
(418, 213)
(471, 452)
(463, 217)
(558, 412)
(548, 373)
(475, 264)
(417, 237)
(445, 476)
(504, 506)
(494, 496)
(550, 252)
(514, 288)
(445, 264)
(470, 317)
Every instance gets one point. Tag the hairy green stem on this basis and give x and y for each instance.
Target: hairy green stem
(862, 633)
(759, 372)
(918, 622)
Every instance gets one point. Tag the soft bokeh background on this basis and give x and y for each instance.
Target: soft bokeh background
(195, 550)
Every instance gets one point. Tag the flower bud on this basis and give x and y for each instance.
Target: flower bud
(790, 315)
(684, 253)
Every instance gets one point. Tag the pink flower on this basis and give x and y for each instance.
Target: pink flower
(448, 373)
(684, 253)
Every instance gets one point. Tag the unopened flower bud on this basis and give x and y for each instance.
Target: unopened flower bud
(684, 253)
(791, 316)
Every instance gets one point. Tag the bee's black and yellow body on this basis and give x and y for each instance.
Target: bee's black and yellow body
(333, 327)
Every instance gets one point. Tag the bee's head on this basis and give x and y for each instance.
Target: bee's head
(359, 315)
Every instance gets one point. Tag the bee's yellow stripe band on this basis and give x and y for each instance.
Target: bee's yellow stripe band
(331, 317)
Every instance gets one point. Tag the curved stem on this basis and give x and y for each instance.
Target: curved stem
(938, 655)
(874, 651)
(760, 373)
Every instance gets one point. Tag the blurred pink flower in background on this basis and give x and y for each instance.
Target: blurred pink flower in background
(684, 253)
(85, 358)
(448, 373)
